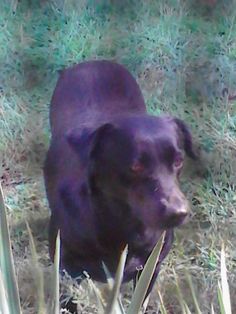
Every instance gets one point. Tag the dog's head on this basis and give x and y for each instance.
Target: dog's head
(136, 162)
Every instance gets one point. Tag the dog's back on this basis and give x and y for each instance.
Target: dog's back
(90, 92)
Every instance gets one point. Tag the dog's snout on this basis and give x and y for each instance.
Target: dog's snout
(179, 204)
(176, 208)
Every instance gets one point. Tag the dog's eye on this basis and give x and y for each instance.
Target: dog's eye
(137, 167)
(142, 165)
(178, 161)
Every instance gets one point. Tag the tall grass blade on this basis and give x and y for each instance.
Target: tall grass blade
(8, 277)
(55, 288)
(97, 293)
(145, 303)
(220, 299)
(4, 308)
(224, 284)
(212, 309)
(162, 306)
(145, 278)
(179, 293)
(39, 280)
(110, 282)
(187, 310)
(197, 308)
(113, 303)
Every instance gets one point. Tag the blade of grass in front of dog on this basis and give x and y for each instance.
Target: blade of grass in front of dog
(187, 310)
(97, 293)
(110, 282)
(212, 309)
(224, 283)
(38, 274)
(55, 279)
(162, 306)
(4, 306)
(9, 283)
(113, 303)
(179, 293)
(197, 308)
(220, 299)
(145, 278)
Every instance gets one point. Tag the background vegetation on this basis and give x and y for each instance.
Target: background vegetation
(183, 54)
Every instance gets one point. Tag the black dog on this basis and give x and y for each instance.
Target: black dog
(111, 172)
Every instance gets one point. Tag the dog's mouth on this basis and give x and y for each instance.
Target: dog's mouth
(175, 221)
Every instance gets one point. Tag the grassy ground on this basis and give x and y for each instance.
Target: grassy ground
(183, 54)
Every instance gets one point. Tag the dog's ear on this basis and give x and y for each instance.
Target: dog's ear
(80, 140)
(110, 145)
(83, 140)
(97, 144)
(185, 138)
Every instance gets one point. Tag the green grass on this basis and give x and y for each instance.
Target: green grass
(183, 54)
